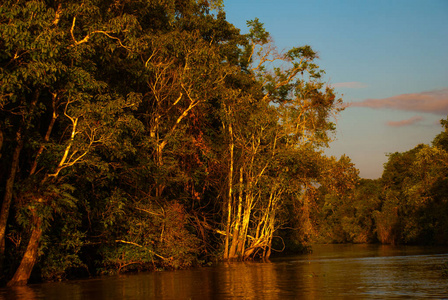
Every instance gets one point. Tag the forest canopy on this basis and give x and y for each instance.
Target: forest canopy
(147, 135)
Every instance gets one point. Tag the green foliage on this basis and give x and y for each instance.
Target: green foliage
(407, 205)
(148, 239)
(124, 110)
(414, 182)
(345, 204)
(441, 140)
(257, 33)
(60, 250)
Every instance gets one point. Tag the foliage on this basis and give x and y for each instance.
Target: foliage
(345, 204)
(415, 186)
(150, 240)
(152, 134)
(143, 135)
(407, 205)
(60, 253)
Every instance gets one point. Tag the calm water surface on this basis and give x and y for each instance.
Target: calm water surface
(331, 271)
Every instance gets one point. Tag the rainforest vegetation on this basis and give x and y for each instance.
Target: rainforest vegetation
(152, 134)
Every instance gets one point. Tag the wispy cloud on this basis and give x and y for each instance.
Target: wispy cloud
(350, 85)
(435, 102)
(407, 122)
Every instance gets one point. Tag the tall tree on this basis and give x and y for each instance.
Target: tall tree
(288, 110)
(49, 77)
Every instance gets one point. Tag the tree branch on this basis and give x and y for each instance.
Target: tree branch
(135, 244)
(87, 37)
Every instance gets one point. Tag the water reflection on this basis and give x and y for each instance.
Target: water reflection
(342, 271)
(22, 293)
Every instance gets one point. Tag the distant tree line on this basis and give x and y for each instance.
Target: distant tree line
(407, 205)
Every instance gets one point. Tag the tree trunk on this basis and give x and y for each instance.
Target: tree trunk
(246, 219)
(47, 134)
(233, 253)
(7, 198)
(29, 259)
(230, 196)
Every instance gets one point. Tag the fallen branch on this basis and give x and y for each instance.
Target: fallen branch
(135, 244)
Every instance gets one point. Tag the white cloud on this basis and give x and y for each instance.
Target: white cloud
(435, 102)
(407, 122)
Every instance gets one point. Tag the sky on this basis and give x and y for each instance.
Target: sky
(387, 59)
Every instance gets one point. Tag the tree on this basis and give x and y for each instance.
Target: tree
(48, 76)
(414, 205)
(288, 113)
(340, 212)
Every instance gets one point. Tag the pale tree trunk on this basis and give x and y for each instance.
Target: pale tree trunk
(154, 134)
(269, 224)
(251, 183)
(236, 230)
(265, 229)
(229, 204)
(246, 219)
(269, 236)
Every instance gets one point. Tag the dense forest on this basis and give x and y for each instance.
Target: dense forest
(152, 134)
(407, 205)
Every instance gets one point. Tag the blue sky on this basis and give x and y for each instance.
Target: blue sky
(388, 58)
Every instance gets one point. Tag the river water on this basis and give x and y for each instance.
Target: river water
(330, 272)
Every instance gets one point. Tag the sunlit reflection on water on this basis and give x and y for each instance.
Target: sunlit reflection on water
(331, 271)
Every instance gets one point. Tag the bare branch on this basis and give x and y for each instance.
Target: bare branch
(58, 14)
(135, 244)
(88, 36)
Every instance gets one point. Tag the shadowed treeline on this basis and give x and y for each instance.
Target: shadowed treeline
(407, 205)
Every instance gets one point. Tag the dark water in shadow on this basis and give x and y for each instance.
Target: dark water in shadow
(331, 271)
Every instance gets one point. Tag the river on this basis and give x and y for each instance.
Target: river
(330, 272)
